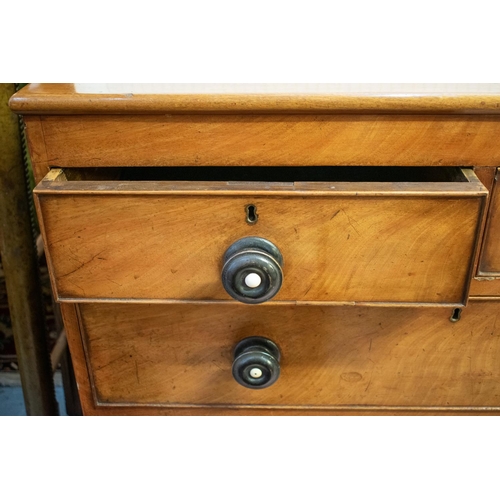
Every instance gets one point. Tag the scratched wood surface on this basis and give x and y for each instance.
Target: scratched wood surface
(331, 356)
(175, 359)
(350, 246)
(258, 140)
(257, 97)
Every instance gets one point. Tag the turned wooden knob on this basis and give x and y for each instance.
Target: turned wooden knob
(256, 362)
(252, 270)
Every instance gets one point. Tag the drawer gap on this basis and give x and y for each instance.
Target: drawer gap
(271, 174)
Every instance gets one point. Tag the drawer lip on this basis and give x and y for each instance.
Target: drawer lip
(54, 183)
(331, 408)
(229, 302)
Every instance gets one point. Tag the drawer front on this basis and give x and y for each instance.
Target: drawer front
(334, 357)
(367, 242)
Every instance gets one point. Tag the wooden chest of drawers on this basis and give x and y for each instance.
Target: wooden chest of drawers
(273, 249)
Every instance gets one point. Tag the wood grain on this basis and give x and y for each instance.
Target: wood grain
(260, 98)
(345, 246)
(489, 264)
(126, 242)
(246, 411)
(36, 146)
(75, 343)
(486, 176)
(485, 286)
(281, 140)
(333, 358)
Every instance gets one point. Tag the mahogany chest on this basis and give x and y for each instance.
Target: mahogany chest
(273, 248)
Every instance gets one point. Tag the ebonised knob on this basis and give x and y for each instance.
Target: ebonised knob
(252, 270)
(256, 362)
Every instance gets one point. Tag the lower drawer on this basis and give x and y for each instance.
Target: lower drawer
(178, 356)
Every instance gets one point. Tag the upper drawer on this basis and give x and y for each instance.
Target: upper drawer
(345, 239)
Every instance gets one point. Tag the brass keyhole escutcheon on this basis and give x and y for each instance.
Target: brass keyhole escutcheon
(252, 217)
(456, 315)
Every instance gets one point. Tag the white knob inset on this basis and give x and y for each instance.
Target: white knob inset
(255, 373)
(252, 280)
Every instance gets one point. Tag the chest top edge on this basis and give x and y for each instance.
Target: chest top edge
(257, 98)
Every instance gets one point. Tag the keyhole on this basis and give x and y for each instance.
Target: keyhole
(252, 216)
(455, 315)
